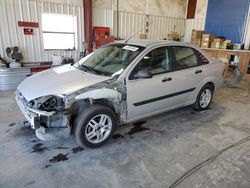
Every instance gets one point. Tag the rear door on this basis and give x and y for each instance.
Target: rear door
(189, 71)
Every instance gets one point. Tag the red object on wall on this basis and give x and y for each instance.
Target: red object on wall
(28, 31)
(27, 24)
(102, 36)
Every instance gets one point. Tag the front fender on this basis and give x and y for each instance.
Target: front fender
(103, 93)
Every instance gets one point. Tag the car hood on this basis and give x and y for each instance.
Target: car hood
(65, 79)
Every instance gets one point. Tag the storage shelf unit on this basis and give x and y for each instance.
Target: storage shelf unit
(243, 55)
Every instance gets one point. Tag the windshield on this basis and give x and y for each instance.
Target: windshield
(110, 60)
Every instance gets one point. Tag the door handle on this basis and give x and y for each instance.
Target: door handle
(167, 79)
(198, 71)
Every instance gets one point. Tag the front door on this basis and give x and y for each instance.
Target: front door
(146, 95)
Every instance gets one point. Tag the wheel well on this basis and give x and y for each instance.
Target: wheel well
(211, 84)
(80, 106)
(104, 102)
(109, 104)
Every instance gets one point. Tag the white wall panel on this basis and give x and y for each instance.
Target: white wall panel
(167, 8)
(103, 18)
(132, 24)
(160, 26)
(129, 24)
(197, 24)
(12, 11)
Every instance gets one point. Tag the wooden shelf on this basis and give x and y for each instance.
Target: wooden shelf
(244, 58)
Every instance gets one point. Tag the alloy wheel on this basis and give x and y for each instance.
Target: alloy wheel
(98, 128)
(205, 98)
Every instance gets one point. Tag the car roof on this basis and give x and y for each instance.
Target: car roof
(155, 43)
(146, 43)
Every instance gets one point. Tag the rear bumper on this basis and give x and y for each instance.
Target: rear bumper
(219, 82)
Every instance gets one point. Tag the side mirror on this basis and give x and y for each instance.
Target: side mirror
(143, 74)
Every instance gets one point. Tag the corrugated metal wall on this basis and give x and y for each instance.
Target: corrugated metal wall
(131, 24)
(12, 11)
(160, 26)
(103, 18)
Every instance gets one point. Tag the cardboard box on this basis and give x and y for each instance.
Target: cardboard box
(205, 44)
(196, 42)
(174, 36)
(196, 34)
(208, 37)
(218, 40)
(143, 36)
(225, 44)
(216, 45)
(227, 41)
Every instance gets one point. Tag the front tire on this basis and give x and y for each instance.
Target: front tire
(204, 98)
(95, 126)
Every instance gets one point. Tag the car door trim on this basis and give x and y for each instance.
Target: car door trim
(163, 97)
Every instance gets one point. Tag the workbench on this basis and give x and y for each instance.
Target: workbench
(243, 63)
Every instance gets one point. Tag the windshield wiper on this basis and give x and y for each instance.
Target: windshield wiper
(88, 68)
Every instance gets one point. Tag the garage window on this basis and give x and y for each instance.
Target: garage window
(59, 31)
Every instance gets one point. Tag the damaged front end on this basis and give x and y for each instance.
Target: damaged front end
(47, 111)
(59, 111)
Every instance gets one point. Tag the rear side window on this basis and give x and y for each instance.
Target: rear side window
(185, 57)
(201, 59)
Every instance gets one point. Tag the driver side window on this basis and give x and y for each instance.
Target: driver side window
(155, 62)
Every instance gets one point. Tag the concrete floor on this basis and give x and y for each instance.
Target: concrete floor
(152, 153)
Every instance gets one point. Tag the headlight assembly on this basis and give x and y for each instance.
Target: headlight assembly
(53, 103)
(47, 103)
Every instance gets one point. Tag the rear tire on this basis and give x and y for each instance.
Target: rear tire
(204, 98)
(95, 126)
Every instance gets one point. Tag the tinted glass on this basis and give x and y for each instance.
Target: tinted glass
(201, 59)
(184, 57)
(155, 62)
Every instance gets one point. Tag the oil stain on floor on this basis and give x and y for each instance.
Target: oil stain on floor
(59, 157)
(117, 135)
(11, 124)
(138, 128)
(63, 157)
(38, 148)
(77, 149)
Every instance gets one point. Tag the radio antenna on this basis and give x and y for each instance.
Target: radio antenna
(137, 32)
